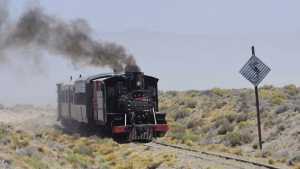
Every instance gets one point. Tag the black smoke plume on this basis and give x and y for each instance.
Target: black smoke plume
(72, 40)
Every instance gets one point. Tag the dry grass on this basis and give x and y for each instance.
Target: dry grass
(227, 117)
(297, 166)
(82, 152)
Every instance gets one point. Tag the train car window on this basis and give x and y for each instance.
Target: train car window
(80, 87)
(66, 94)
(72, 96)
(80, 98)
(62, 96)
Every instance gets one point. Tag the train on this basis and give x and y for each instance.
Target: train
(125, 104)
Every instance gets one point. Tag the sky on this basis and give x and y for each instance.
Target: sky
(191, 44)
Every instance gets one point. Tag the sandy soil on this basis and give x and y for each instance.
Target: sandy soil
(28, 117)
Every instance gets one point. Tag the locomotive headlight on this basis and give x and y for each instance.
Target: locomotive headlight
(138, 83)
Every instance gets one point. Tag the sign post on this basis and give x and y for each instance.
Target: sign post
(255, 71)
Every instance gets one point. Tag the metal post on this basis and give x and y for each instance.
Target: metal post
(258, 117)
(253, 52)
(257, 108)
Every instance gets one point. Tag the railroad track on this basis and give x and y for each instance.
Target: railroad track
(215, 156)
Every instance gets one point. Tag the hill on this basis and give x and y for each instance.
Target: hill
(225, 120)
(217, 120)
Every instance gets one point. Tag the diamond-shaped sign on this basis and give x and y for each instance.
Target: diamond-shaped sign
(255, 70)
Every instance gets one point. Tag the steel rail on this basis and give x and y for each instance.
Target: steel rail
(227, 157)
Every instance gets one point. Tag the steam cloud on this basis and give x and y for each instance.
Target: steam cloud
(71, 40)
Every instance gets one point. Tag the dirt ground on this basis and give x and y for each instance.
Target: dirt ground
(29, 117)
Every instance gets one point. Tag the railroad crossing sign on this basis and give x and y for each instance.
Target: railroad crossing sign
(255, 71)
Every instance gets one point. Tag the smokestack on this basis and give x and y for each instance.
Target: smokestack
(35, 29)
(131, 66)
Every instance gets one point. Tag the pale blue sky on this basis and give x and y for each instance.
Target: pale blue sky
(191, 44)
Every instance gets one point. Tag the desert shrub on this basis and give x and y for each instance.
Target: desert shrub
(35, 163)
(230, 116)
(271, 161)
(77, 160)
(246, 137)
(277, 98)
(194, 122)
(83, 150)
(234, 139)
(189, 136)
(205, 128)
(243, 98)
(219, 92)
(154, 165)
(281, 109)
(190, 103)
(19, 141)
(281, 128)
(177, 131)
(238, 138)
(180, 101)
(181, 113)
(245, 124)
(193, 93)
(297, 166)
(241, 117)
(224, 126)
(296, 108)
(269, 123)
(267, 87)
(220, 104)
(291, 90)
(244, 107)
(236, 151)
(171, 93)
(3, 133)
(255, 146)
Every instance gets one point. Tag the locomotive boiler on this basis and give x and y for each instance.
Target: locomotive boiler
(124, 103)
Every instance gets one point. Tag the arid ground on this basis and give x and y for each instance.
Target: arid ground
(216, 120)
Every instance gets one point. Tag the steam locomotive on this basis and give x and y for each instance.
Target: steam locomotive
(124, 103)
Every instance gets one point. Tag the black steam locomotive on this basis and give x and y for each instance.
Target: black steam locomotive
(126, 104)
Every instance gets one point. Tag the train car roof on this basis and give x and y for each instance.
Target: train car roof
(108, 76)
(103, 76)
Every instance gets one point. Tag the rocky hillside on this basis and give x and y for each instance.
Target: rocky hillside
(225, 120)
